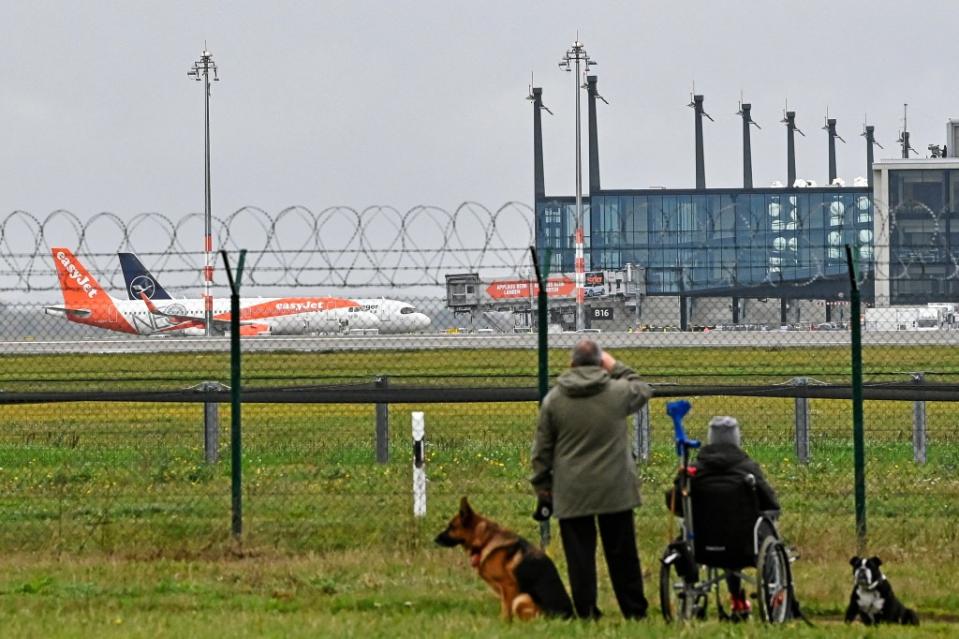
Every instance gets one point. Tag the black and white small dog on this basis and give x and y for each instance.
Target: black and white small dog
(872, 597)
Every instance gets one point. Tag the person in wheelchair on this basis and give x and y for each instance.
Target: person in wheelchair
(726, 482)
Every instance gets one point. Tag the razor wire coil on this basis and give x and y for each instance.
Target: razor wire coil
(379, 246)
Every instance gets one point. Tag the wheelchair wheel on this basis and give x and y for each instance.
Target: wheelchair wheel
(678, 600)
(775, 582)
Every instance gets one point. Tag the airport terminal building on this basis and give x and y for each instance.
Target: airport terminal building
(727, 255)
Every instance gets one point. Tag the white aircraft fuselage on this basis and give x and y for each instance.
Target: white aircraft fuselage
(85, 302)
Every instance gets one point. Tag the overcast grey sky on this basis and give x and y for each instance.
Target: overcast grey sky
(402, 103)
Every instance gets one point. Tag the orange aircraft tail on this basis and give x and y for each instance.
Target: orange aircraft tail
(80, 289)
(85, 300)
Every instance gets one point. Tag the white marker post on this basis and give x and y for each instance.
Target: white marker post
(419, 465)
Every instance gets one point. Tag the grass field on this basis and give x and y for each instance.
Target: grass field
(467, 367)
(418, 593)
(111, 524)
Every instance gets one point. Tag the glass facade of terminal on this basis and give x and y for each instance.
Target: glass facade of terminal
(924, 236)
(715, 240)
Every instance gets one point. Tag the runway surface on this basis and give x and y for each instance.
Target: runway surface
(443, 341)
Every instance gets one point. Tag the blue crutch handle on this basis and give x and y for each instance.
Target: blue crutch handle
(677, 410)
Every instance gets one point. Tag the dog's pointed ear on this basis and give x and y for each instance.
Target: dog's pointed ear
(854, 561)
(466, 511)
(876, 560)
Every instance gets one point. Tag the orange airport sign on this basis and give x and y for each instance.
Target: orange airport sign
(513, 289)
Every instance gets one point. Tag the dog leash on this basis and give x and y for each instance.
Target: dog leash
(544, 536)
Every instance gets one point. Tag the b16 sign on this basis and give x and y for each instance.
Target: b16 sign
(602, 313)
(513, 289)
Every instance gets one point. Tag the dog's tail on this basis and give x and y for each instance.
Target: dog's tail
(537, 575)
(524, 607)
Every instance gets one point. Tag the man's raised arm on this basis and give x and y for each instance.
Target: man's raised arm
(638, 392)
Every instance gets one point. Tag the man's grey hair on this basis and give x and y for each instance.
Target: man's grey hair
(587, 353)
(724, 430)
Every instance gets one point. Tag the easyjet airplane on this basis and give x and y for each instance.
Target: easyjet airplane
(394, 316)
(85, 302)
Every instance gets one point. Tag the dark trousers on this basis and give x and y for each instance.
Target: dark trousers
(619, 545)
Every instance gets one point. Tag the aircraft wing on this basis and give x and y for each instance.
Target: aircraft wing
(220, 324)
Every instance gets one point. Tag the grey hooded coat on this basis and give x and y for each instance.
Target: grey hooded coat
(581, 453)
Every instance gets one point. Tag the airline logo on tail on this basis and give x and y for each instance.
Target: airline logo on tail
(139, 280)
(77, 274)
(143, 285)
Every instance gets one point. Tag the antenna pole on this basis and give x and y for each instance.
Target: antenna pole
(201, 71)
(577, 55)
(904, 136)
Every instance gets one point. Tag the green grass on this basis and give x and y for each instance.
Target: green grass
(413, 593)
(465, 367)
(108, 513)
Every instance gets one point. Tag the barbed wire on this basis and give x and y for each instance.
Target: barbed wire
(385, 247)
(379, 246)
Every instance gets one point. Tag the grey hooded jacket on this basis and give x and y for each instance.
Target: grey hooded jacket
(581, 452)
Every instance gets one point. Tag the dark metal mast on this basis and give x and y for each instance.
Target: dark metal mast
(697, 105)
(870, 135)
(744, 109)
(790, 121)
(593, 94)
(831, 128)
(539, 178)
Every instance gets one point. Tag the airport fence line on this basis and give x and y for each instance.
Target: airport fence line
(119, 443)
(137, 478)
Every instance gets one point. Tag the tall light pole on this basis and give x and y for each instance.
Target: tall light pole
(577, 55)
(201, 70)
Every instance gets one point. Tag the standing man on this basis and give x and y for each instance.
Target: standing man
(583, 471)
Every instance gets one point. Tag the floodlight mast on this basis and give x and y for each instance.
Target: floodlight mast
(577, 55)
(201, 70)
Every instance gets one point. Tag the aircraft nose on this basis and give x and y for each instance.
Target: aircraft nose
(423, 321)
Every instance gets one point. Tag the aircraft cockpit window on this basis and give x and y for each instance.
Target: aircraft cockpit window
(406, 310)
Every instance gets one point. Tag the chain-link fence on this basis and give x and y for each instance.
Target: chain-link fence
(113, 441)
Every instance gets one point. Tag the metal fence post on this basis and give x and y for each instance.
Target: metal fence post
(236, 428)
(802, 422)
(641, 443)
(382, 424)
(919, 424)
(858, 426)
(211, 425)
(542, 348)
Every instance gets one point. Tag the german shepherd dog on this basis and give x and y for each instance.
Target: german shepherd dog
(520, 574)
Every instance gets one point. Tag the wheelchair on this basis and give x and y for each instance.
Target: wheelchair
(738, 537)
